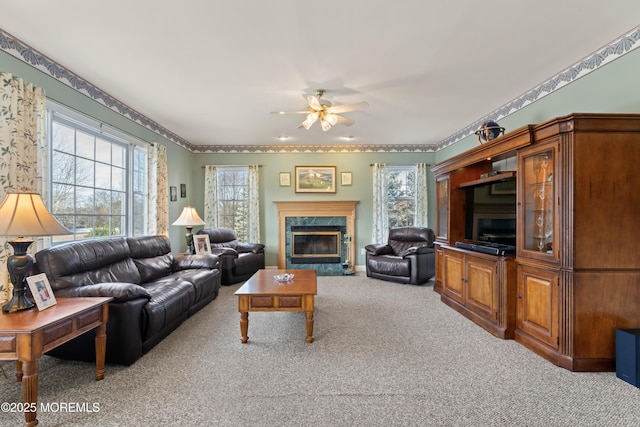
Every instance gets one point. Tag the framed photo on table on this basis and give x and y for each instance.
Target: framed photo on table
(201, 243)
(41, 291)
(315, 179)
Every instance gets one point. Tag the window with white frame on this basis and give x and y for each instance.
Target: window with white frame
(401, 190)
(233, 199)
(97, 177)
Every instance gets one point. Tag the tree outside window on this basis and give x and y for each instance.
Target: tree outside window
(401, 195)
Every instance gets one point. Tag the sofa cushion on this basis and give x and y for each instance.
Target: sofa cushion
(151, 255)
(198, 261)
(88, 262)
(200, 279)
(170, 300)
(153, 268)
(118, 290)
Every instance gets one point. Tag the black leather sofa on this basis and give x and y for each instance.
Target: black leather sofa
(154, 291)
(238, 261)
(407, 257)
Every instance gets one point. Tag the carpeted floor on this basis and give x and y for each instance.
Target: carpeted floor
(385, 355)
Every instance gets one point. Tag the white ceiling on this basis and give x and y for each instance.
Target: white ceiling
(211, 70)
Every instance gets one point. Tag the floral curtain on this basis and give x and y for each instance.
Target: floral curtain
(253, 234)
(211, 196)
(158, 190)
(22, 133)
(380, 223)
(421, 202)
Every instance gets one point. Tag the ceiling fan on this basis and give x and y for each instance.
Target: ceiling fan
(322, 109)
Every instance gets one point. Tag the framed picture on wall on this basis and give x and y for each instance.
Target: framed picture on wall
(315, 179)
(345, 178)
(285, 179)
(173, 193)
(183, 190)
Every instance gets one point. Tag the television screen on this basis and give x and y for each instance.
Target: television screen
(491, 213)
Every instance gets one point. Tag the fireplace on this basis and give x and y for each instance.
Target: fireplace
(316, 244)
(336, 213)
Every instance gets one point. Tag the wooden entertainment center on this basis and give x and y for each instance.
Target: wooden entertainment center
(573, 277)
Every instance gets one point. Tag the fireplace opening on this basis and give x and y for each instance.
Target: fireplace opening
(315, 244)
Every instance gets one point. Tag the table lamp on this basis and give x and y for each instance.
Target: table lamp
(24, 214)
(188, 218)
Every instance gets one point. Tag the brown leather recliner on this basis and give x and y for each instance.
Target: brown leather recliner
(408, 256)
(238, 261)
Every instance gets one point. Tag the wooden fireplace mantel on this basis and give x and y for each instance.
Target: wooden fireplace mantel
(346, 208)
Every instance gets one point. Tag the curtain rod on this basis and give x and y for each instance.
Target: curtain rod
(231, 166)
(398, 164)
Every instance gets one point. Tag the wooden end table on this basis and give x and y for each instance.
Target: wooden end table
(26, 335)
(263, 293)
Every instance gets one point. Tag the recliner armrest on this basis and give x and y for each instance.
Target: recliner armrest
(188, 261)
(224, 251)
(379, 249)
(256, 248)
(120, 291)
(417, 250)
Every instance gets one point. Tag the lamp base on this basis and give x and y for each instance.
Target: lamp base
(19, 265)
(19, 301)
(189, 236)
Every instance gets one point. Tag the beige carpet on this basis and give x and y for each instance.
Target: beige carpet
(385, 355)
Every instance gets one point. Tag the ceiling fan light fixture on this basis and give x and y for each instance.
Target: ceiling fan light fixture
(325, 125)
(331, 118)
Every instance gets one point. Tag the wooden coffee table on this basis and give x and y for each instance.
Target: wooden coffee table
(26, 335)
(263, 293)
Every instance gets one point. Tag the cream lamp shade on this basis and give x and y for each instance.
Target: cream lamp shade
(24, 214)
(188, 218)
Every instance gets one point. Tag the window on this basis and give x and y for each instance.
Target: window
(401, 190)
(98, 178)
(233, 200)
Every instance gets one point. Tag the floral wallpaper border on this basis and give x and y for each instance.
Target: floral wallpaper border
(602, 56)
(624, 44)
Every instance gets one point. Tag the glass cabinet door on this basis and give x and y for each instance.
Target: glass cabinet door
(538, 226)
(442, 207)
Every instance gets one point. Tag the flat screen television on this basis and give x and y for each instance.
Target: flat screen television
(491, 212)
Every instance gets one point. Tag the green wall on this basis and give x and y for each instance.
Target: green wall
(179, 171)
(611, 88)
(270, 191)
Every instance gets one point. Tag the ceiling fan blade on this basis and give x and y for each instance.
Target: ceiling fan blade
(338, 109)
(344, 121)
(289, 112)
(348, 107)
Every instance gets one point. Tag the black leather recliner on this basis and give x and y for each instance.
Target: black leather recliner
(238, 261)
(408, 256)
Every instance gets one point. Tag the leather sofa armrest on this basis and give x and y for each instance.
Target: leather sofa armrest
(120, 291)
(189, 261)
(256, 248)
(379, 249)
(224, 251)
(417, 250)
